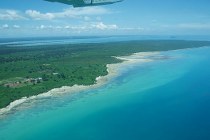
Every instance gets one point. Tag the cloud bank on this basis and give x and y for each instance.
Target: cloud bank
(7, 14)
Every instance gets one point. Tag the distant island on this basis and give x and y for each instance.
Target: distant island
(31, 70)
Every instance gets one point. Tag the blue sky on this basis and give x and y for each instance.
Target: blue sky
(20, 18)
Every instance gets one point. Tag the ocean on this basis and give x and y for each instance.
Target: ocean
(165, 99)
(34, 41)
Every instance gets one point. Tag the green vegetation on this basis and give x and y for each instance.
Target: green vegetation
(31, 70)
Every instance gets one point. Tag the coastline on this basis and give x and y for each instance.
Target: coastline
(112, 69)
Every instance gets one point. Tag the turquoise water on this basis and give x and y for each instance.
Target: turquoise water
(167, 99)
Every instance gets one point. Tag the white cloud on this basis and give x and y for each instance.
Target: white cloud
(90, 27)
(5, 26)
(80, 13)
(6, 14)
(68, 13)
(59, 27)
(85, 11)
(87, 27)
(16, 26)
(102, 26)
(45, 27)
(39, 16)
(86, 18)
(42, 27)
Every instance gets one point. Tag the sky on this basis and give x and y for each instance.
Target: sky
(36, 18)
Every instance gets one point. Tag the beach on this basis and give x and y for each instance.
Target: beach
(112, 69)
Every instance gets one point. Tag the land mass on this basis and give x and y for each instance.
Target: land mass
(31, 70)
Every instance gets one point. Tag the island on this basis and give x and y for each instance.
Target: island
(32, 70)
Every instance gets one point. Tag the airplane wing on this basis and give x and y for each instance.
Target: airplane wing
(83, 3)
(69, 2)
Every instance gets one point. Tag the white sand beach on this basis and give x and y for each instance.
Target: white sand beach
(113, 71)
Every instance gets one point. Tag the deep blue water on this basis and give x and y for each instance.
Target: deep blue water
(167, 99)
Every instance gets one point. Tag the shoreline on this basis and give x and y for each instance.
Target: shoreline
(112, 69)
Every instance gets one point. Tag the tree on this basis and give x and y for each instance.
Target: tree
(63, 76)
(44, 77)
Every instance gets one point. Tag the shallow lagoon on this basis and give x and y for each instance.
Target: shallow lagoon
(167, 99)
